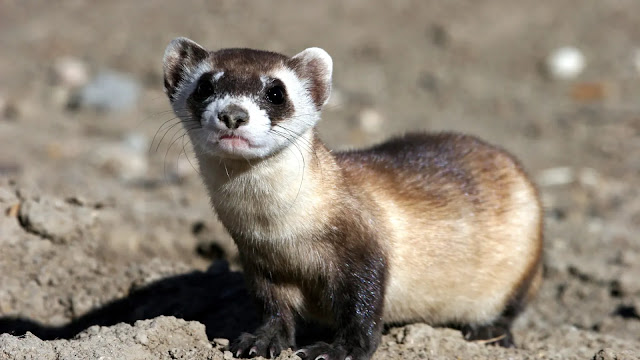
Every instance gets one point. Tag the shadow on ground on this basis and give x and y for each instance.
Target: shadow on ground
(217, 298)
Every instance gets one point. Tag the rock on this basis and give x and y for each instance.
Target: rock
(610, 354)
(160, 338)
(629, 282)
(70, 72)
(561, 175)
(55, 219)
(221, 341)
(370, 121)
(26, 347)
(565, 63)
(13, 210)
(109, 91)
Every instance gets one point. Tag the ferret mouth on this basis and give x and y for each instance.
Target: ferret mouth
(235, 140)
(231, 136)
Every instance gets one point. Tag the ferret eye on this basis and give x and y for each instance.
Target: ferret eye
(275, 95)
(204, 89)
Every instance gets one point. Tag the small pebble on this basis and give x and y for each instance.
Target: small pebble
(109, 91)
(70, 72)
(221, 341)
(142, 338)
(13, 210)
(562, 175)
(370, 121)
(565, 63)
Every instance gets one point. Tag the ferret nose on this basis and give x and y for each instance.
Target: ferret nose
(233, 116)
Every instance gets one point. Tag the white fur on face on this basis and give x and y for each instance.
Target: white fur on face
(305, 115)
(258, 138)
(218, 75)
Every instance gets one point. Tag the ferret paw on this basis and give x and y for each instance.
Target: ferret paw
(324, 351)
(250, 346)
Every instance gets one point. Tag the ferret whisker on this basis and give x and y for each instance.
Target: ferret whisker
(186, 130)
(185, 126)
(291, 141)
(226, 170)
(304, 166)
(163, 125)
(178, 129)
(307, 143)
(247, 160)
(165, 134)
(155, 115)
(292, 135)
(184, 150)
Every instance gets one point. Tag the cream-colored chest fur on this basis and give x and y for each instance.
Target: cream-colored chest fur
(275, 207)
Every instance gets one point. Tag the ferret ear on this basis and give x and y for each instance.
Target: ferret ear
(180, 57)
(315, 65)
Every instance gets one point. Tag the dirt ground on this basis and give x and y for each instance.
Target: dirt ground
(109, 248)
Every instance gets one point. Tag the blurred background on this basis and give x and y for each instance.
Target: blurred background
(101, 195)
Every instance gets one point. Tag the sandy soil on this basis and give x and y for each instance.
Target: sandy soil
(109, 249)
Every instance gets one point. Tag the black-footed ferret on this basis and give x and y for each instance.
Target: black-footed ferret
(442, 228)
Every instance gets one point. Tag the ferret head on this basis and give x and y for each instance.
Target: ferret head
(243, 103)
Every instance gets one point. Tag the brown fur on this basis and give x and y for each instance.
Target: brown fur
(442, 228)
(442, 212)
(451, 196)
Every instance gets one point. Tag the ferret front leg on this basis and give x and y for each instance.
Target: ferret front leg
(357, 302)
(277, 331)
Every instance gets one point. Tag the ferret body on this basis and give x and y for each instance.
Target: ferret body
(441, 228)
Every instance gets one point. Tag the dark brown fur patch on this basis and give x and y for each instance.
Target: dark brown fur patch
(433, 165)
(184, 54)
(243, 69)
(437, 169)
(247, 60)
